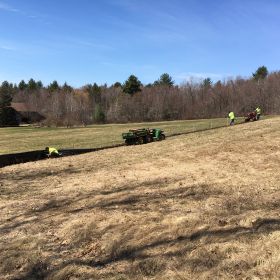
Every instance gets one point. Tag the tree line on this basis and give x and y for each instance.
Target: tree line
(63, 105)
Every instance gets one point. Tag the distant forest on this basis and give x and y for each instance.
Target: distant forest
(63, 105)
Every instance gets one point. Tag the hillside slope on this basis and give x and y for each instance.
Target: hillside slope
(199, 206)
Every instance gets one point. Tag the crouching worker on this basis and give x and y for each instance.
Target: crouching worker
(231, 117)
(52, 152)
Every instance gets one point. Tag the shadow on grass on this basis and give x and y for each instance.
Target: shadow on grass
(124, 201)
(147, 263)
(37, 271)
(18, 176)
(141, 201)
(55, 207)
(260, 226)
(25, 188)
(149, 200)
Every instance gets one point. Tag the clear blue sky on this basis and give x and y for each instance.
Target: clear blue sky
(104, 41)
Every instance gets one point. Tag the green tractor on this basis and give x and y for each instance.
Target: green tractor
(143, 136)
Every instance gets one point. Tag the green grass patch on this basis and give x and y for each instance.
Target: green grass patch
(21, 139)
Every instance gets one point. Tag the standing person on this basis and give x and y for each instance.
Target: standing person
(231, 117)
(258, 112)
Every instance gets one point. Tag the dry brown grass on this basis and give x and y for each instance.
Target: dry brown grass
(199, 206)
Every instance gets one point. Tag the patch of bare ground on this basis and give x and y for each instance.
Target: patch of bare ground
(199, 206)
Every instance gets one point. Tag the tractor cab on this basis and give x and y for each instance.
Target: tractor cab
(158, 134)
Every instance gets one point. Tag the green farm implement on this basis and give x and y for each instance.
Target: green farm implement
(143, 136)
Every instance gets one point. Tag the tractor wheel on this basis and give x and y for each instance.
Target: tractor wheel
(162, 137)
(140, 140)
(148, 139)
(130, 142)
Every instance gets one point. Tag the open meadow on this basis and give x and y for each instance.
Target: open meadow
(197, 206)
(23, 139)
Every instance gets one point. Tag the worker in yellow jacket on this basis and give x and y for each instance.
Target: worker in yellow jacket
(52, 152)
(258, 112)
(231, 117)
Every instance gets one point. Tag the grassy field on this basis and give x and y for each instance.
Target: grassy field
(197, 206)
(21, 139)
